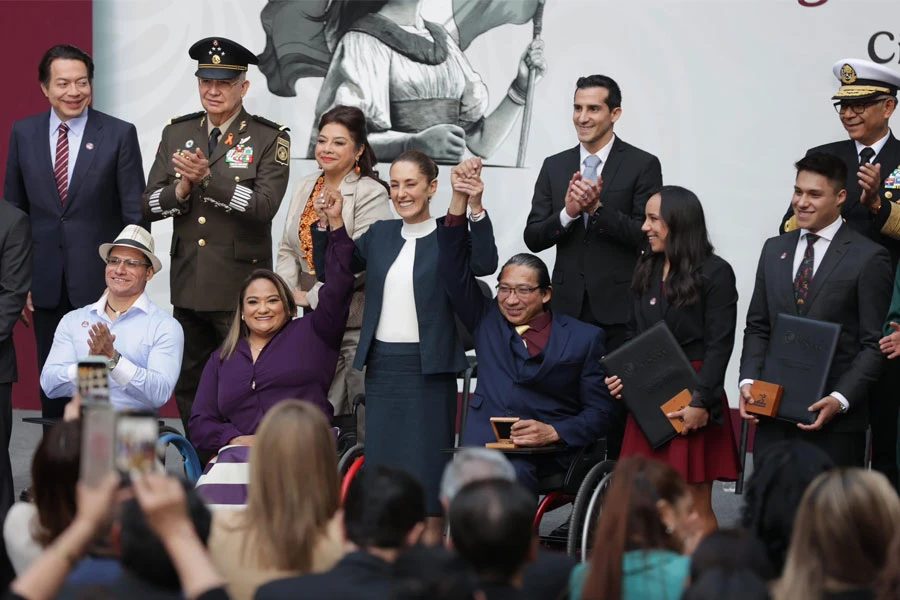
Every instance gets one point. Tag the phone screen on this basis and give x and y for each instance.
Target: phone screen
(137, 435)
(97, 437)
(93, 379)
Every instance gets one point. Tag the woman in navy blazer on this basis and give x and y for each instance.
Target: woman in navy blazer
(408, 342)
(680, 281)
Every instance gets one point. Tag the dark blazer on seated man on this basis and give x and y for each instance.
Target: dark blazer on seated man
(849, 284)
(549, 376)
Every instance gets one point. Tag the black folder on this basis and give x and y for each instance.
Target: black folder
(799, 359)
(653, 369)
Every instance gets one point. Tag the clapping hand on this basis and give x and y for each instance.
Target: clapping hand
(870, 180)
(193, 168)
(583, 195)
(100, 341)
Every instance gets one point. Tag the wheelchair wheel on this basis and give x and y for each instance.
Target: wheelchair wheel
(347, 458)
(586, 507)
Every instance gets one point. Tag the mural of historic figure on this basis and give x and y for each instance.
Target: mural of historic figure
(409, 76)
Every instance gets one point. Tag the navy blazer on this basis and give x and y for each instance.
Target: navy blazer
(104, 196)
(852, 287)
(376, 250)
(563, 386)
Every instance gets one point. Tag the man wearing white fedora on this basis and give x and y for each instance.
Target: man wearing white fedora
(142, 343)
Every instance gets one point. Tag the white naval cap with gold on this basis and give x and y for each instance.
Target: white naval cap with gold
(863, 79)
(134, 236)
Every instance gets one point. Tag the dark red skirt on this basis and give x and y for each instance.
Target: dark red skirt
(709, 454)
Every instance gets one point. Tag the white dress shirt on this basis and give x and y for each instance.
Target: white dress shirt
(149, 339)
(399, 321)
(877, 146)
(820, 247)
(603, 155)
(76, 135)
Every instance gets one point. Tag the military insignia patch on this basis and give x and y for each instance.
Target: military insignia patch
(893, 180)
(848, 74)
(283, 152)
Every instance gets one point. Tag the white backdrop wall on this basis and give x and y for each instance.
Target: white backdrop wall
(727, 93)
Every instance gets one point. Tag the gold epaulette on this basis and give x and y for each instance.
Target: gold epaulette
(271, 124)
(183, 118)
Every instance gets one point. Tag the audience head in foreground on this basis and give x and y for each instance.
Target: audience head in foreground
(54, 473)
(294, 490)
(434, 573)
(648, 522)
(473, 464)
(845, 523)
(491, 527)
(781, 475)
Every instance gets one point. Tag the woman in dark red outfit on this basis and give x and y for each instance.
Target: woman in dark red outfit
(679, 280)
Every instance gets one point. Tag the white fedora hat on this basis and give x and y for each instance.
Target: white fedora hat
(134, 236)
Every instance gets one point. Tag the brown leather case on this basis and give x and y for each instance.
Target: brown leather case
(502, 427)
(766, 398)
(682, 399)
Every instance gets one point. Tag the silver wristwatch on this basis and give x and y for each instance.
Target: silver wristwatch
(111, 363)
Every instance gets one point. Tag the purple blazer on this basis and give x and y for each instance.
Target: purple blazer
(299, 362)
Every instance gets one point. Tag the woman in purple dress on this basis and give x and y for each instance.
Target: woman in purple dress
(269, 357)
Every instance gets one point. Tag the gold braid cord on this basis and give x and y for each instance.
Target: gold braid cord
(891, 227)
(309, 217)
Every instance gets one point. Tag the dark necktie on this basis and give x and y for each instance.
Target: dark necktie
(805, 273)
(213, 140)
(865, 155)
(61, 166)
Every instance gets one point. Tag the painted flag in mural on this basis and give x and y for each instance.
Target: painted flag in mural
(474, 17)
(295, 43)
(300, 41)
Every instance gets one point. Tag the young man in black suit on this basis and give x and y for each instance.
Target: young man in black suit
(865, 103)
(589, 202)
(826, 271)
(383, 515)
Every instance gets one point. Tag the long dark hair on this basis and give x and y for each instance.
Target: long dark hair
(687, 248)
(630, 521)
(355, 121)
(54, 473)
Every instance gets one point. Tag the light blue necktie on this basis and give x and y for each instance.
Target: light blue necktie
(591, 162)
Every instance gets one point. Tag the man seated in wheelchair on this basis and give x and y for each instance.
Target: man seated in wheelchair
(533, 364)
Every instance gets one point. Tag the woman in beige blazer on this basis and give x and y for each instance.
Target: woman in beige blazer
(346, 164)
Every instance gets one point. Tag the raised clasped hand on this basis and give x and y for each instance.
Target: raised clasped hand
(465, 178)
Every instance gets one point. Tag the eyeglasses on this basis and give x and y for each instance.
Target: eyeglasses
(858, 108)
(115, 261)
(220, 83)
(521, 291)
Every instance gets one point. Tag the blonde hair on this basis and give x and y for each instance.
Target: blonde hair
(294, 489)
(842, 533)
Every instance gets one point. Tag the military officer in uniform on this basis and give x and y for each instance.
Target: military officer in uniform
(221, 175)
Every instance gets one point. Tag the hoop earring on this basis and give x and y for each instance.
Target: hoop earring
(242, 317)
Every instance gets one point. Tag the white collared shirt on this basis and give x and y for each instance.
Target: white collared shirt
(76, 136)
(149, 339)
(877, 146)
(820, 247)
(826, 234)
(603, 155)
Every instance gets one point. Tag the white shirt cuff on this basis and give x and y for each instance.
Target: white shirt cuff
(312, 296)
(475, 217)
(845, 404)
(744, 382)
(565, 220)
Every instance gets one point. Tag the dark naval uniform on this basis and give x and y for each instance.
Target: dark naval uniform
(223, 230)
